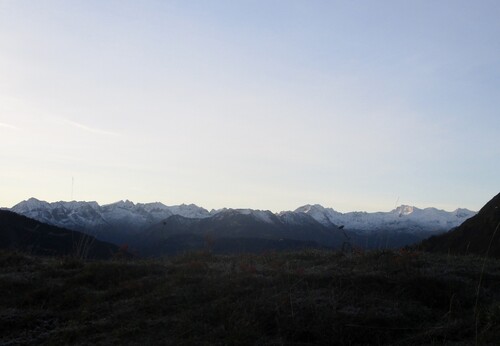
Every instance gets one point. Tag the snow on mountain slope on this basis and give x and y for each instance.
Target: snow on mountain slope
(190, 211)
(325, 216)
(264, 216)
(301, 219)
(72, 215)
(130, 215)
(404, 217)
(123, 215)
(126, 216)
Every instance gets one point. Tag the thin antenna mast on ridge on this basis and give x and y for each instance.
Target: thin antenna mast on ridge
(72, 186)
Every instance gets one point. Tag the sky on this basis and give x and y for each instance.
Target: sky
(355, 105)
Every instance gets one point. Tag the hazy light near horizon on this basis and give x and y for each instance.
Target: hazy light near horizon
(262, 104)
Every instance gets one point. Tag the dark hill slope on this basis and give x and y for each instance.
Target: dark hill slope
(18, 232)
(472, 236)
(233, 232)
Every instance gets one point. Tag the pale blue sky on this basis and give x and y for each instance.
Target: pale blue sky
(260, 104)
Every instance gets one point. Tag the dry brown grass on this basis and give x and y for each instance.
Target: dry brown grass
(307, 297)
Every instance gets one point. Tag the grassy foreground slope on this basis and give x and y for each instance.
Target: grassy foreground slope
(300, 298)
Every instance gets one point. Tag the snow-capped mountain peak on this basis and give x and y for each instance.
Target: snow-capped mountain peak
(31, 204)
(121, 204)
(405, 210)
(191, 211)
(326, 216)
(308, 208)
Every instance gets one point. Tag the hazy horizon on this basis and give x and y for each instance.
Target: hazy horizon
(251, 104)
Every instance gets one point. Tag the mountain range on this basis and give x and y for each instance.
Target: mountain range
(404, 217)
(157, 228)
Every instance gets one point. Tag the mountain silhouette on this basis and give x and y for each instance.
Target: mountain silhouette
(21, 233)
(478, 235)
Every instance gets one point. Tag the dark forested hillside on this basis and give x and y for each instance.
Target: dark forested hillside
(476, 235)
(233, 232)
(18, 232)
